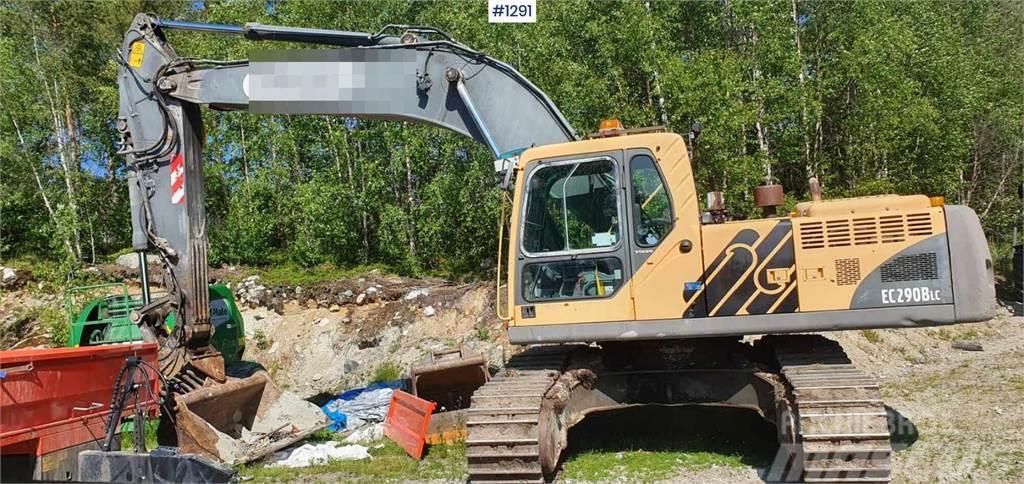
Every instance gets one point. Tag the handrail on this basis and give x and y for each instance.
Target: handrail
(501, 242)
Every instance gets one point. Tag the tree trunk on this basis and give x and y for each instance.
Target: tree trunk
(245, 156)
(362, 207)
(803, 97)
(42, 192)
(655, 78)
(762, 130)
(334, 149)
(410, 227)
(62, 151)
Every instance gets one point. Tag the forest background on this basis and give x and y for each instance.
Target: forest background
(870, 96)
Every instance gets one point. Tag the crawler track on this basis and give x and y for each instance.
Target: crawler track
(505, 417)
(841, 427)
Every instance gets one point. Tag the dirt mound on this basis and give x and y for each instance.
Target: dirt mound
(20, 325)
(332, 336)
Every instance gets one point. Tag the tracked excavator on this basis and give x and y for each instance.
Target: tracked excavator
(621, 290)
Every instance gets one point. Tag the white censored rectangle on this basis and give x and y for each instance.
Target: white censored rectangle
(511, 11)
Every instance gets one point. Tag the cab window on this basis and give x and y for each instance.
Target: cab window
(652, 209)
(572, 279)
(572, 207)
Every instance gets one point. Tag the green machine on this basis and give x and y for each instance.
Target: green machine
(105, 320)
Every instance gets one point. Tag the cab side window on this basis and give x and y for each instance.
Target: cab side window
(652, 209)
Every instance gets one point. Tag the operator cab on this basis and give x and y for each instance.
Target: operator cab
(589, 216)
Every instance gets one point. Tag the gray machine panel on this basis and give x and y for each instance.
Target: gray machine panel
(894, 317)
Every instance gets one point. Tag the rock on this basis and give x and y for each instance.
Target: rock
(370, 291)
(368, 343)
(258, 317)
(967, 346)
(350, 366)
(334, 308)
(323, 322)
(361, 298)
(347, 293)
(317, 377)
(273, 348)
(415, 293)
(9, 277)
(346, 320)
(131, 260)
(429, 311)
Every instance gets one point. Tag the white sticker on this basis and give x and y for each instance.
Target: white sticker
(511, 11)
(219, 312)
(904, 295)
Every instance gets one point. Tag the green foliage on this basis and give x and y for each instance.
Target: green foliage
(387, 371)
(261, 340)
(871, 336)
(127, 440)
(55, 320)
(880, 96)
(640, 465)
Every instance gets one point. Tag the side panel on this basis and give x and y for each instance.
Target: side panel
(662, 273)
(897, 258)
(974, 290)
(750, 268)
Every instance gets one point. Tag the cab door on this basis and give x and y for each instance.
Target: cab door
(665, 259)
(572, 258)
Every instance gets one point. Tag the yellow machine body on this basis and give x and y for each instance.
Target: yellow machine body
(585, 264)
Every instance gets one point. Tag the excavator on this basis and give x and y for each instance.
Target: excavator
(620, 289)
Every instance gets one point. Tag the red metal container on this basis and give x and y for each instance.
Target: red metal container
(407, 422)
(56, 402)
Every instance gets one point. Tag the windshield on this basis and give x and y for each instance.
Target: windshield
(572, 206)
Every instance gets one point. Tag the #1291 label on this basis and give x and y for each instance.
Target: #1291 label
(511, 11)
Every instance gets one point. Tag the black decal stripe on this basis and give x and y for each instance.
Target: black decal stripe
(738, 263)
(782, 259)
(789, 305)
(747, 288)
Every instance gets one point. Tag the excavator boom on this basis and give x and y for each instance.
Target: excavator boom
(402, 73)
(421, 75)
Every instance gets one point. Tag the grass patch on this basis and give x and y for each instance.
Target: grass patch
(643, 465)
(261, 340)
(388, 371)
(389, 463)
(1003, 465)
(127, 443)
(871, 335)
(654, 443)
(1017, 383)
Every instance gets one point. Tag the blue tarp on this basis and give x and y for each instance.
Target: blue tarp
(358, 406)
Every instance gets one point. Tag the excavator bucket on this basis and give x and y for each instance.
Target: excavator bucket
(243, 419)
(449, 378)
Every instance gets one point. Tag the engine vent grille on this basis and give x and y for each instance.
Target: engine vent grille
(917, 267)
(883, 229)
(847, 272)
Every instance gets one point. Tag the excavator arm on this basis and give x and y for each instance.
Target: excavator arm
(403, 73)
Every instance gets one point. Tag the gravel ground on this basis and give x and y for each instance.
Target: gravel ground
(967, 406)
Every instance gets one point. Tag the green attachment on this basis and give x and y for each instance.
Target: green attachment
(105, 320)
